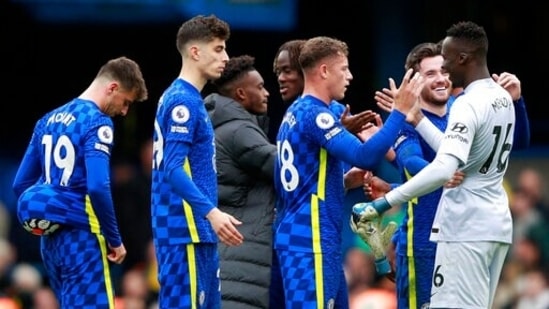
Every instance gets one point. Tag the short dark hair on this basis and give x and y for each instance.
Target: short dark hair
(320, 47)
(202, 28)
(127, 72)
(420, 52)
(293, 47)
(236, 68)
(470, 34)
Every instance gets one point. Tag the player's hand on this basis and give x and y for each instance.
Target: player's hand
(353, 178)
(510, 82)
(456, 180)
(378, 240)
(369, 211)
(224, 226)
(375, 187)
(407, 94)
(415, 115)
(384, 99)
(117, 254)
(356, 123)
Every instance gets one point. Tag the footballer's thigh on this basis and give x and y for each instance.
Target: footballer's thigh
(464, 273)
(83, 278)
(189, 276)
(313, 280)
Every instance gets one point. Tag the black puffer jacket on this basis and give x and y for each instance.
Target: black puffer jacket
(245, 166)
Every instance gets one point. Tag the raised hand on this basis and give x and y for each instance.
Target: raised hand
(384, 99)
(407, 94)
(356, 123)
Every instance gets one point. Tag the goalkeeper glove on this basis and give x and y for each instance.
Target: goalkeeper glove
(370, 210)
(378, 242)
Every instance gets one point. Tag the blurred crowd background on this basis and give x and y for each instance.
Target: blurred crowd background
(51, 49)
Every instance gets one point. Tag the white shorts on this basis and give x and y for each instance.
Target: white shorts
(466, 274)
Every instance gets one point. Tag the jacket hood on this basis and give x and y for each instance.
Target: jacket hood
(223, 109)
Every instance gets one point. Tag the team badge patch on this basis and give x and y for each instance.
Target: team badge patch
(324, 120)
(180, 114)
(105, 134)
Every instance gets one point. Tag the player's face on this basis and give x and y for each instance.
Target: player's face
(118, 102)
(338, 75)
(212, 58)
(290, 81)
(255, 95)
(451, 64)
(437, 84)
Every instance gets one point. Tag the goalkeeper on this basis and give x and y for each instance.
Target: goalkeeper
(473, 224)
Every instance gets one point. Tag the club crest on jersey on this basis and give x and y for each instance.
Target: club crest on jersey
(180, 114)
(324, 120)
(105, 134)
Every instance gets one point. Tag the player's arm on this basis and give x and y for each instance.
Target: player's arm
(409, 155)
(521, 137)
(369, 154)
(29, 170)
(430, 178)
(98, 146)
(253, 152)
(430, 133)
(175, 153)
(99, 190)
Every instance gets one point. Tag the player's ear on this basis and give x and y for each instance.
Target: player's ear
(463, 57)
(240, 93)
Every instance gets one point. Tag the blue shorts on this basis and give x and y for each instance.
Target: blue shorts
(77, 267)
(313, 280)
(188, 275)
(413, 281)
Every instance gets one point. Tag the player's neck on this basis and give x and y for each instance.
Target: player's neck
(434, 108)
(193, 77)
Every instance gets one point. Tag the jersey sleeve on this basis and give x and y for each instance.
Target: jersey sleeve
(98, 147)
(29, 170)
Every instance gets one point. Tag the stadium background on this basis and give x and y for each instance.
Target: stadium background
(50, 50)
(45, 62)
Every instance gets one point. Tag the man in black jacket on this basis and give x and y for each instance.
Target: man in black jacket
(245, 165)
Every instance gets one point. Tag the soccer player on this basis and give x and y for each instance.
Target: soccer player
(64, 189)
(414, 252)
(186, 222)
(313, 147)
(290, 81)
(472, 224)
(245, 166)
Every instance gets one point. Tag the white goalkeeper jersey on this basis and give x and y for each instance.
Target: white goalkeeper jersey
(478, 141)
(480, 134)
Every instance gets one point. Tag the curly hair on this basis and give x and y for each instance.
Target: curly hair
(293, 47)
(471, 34)
(236, 68)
